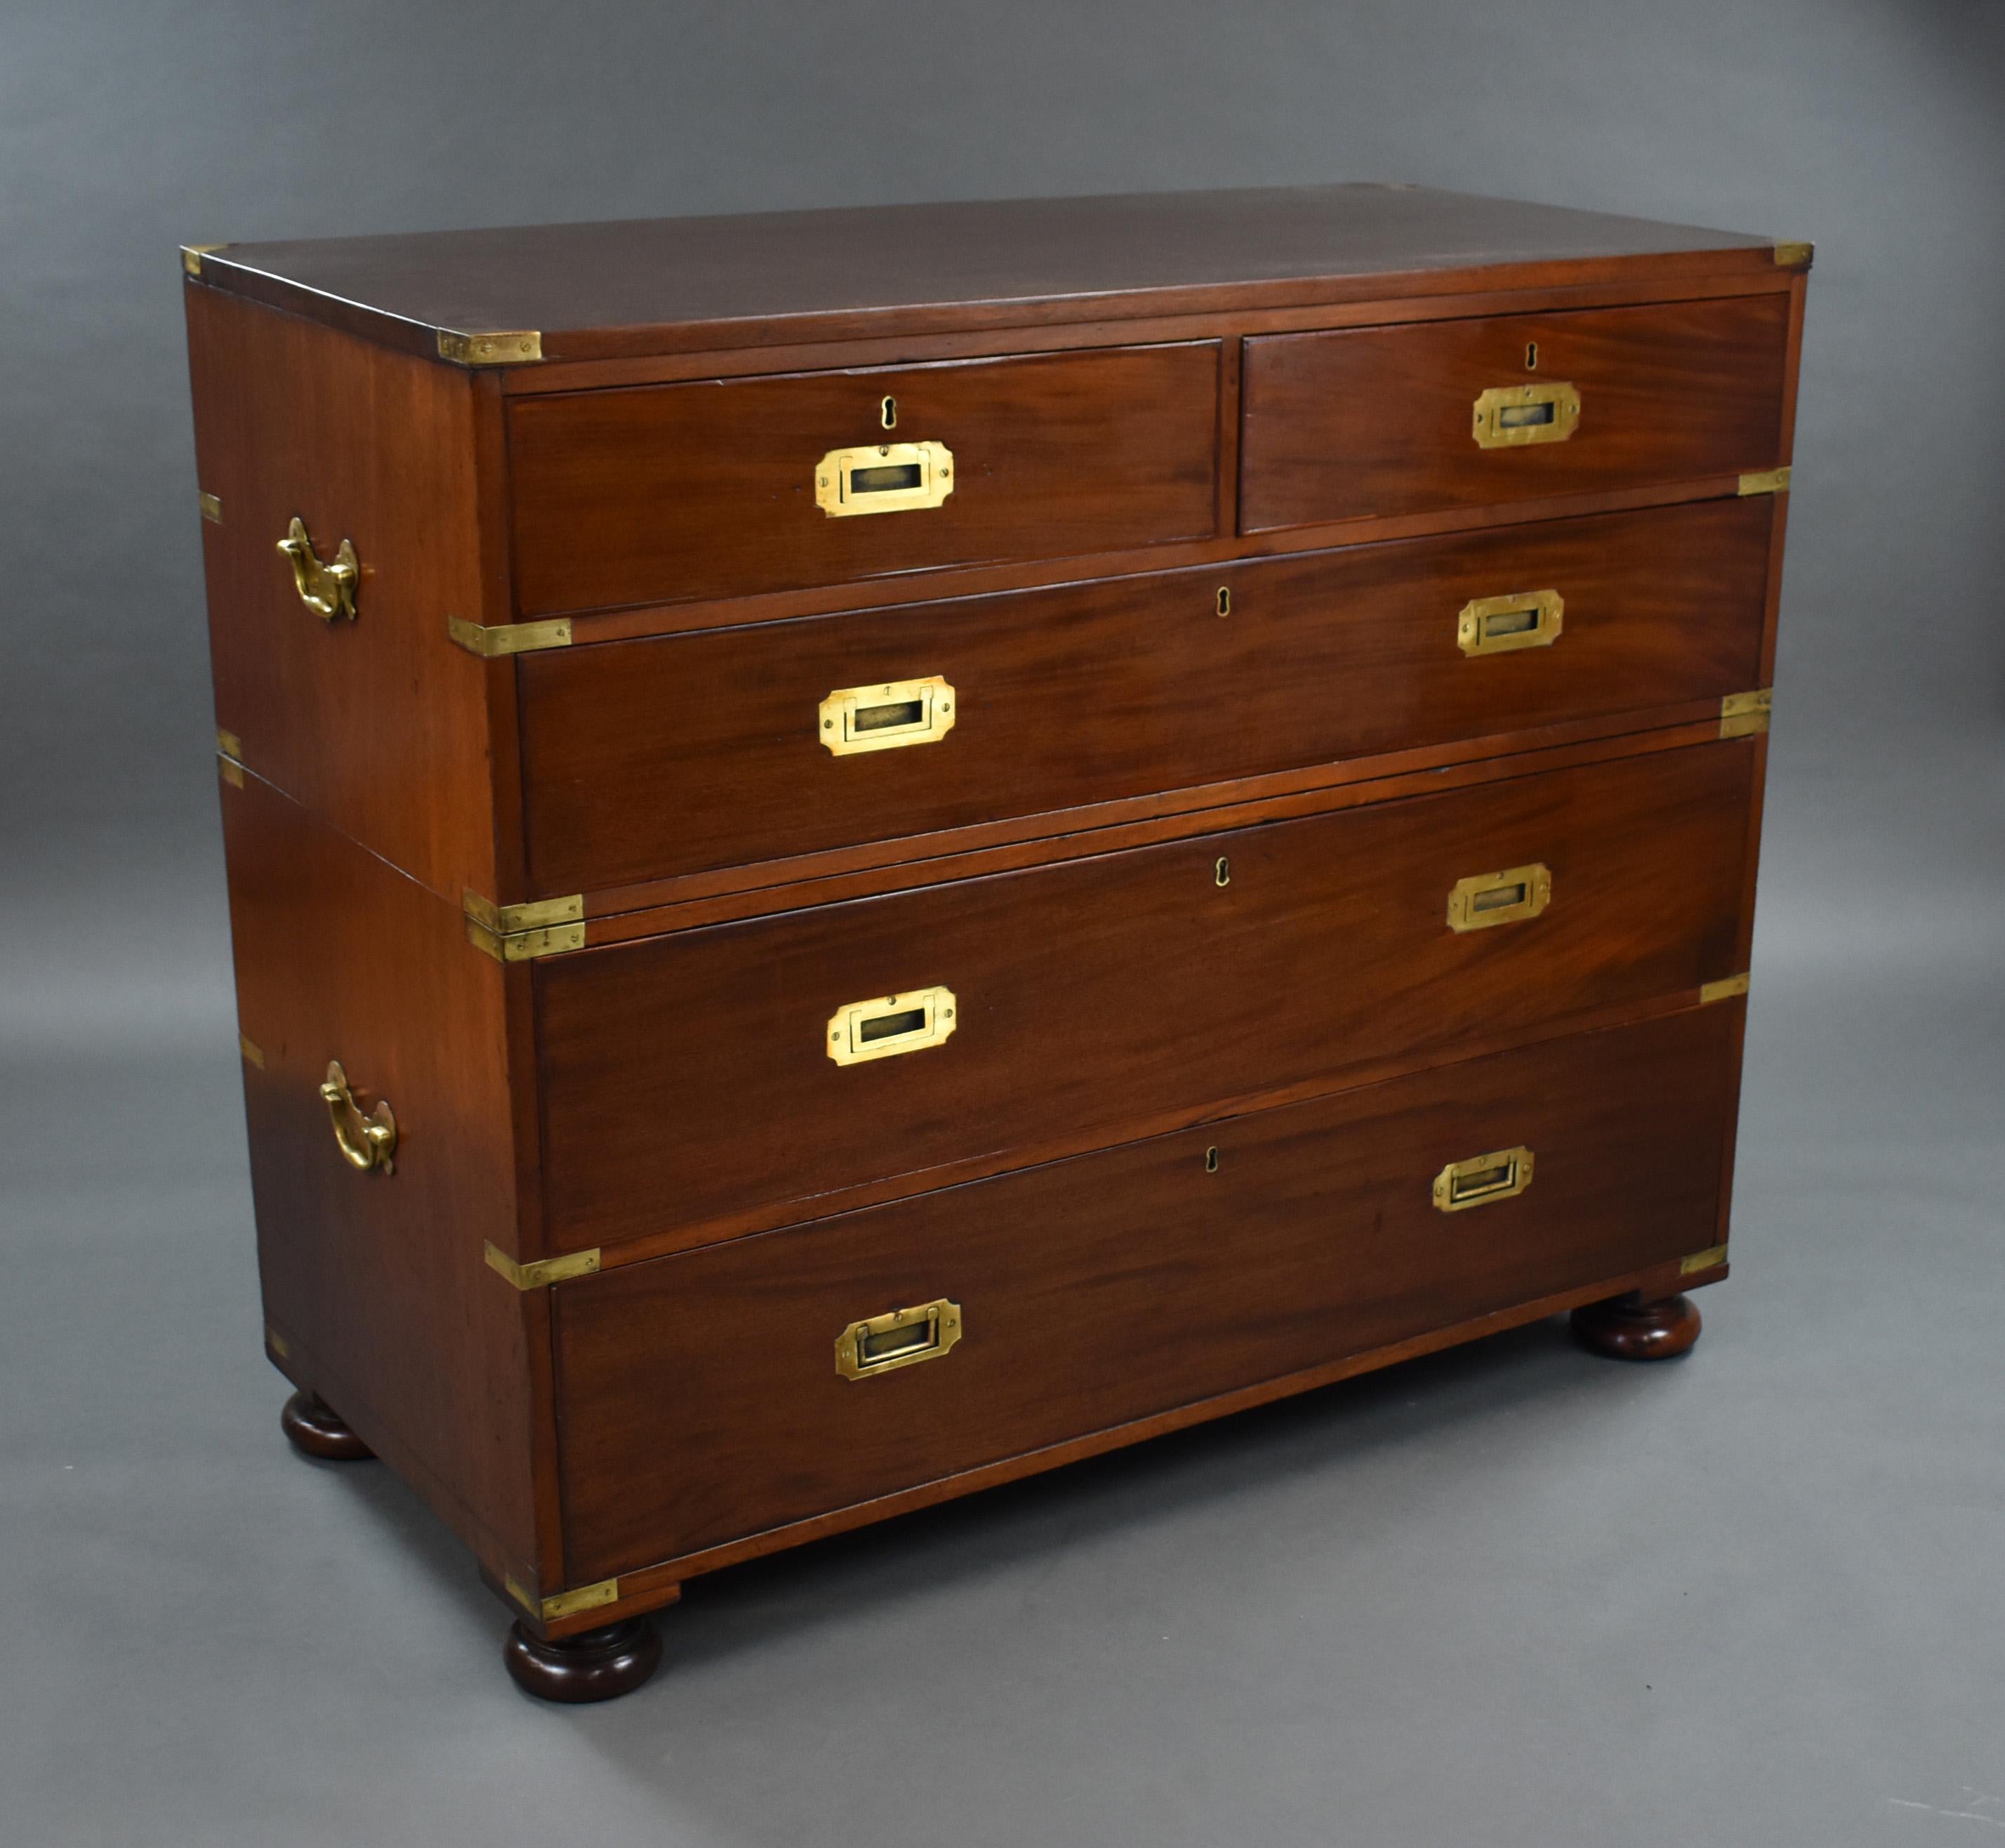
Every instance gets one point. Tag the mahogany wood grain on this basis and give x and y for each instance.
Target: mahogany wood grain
(685, 1077)
(657, 493)
(1348, 424)
(375, 1283)
(1101, 1291)
(380, 724)
(647, 286)
(1636, 1328)
(645, 760)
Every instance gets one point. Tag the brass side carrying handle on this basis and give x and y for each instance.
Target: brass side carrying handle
(882, 1028)
(1482, 1179)
(1522, 620)
(883, 478)
(366, 1142)
(1485, 899)
(1509, 416)
(883, 716)
(327, 590)
(883, 1344)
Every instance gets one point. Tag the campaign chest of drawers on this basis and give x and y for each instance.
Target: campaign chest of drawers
(871, 850)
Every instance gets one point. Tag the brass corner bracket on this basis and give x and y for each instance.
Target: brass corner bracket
(510, 349)
(1794, 256)
(211, 506)
(192, 255)
(508, 638)
(544, 1271)
(1741, 714)
(565, 1604)
(1765, 481)
(520, 932)
(1711, 1259)
(1724, 989)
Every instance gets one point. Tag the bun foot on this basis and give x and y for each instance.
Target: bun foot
(594, 1665)
(1629, 1328)
(316, 1428)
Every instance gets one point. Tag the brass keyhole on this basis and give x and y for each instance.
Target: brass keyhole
(890, 413)
(1224, 601)
(1211, 1161)
(1531, 356)
(1222, 872)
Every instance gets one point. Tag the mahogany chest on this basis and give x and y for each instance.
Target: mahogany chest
(871, 851)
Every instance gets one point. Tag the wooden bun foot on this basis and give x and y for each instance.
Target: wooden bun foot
(1629, 1328)
(594, 1665)
(316, 1428)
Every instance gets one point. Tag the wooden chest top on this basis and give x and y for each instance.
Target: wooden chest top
(627, 289)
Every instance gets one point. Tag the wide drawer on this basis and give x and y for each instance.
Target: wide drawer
(703, 1397)
(679, 754)
(1417, 420)
(732, 1069)
(660, 493)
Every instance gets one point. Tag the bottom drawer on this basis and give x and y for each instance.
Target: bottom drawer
(706, 1396)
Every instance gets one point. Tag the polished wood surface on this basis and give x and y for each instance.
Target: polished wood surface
(1344, 425)
(599, 291)
(1103, 1290)
(373, 1286)
(644, 760)
(316, 1429)
(598, 1664)
(1635, 1328)
(667, 492)
(1097, 996)
(380, 724)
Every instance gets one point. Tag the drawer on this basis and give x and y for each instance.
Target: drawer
(700, 1396)
(689, 1078)
(1384, 420)
(660, 493)
(678, 753)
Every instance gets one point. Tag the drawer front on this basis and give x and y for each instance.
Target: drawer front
(701, 1400)
(1374, 421)
(677, 753)
(661, 494)
(694, 1077)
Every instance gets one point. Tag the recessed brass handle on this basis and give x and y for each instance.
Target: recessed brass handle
(883, 1344)
(1524, 620)
(1488, 898)
(1483, 1178)
(883, 478)
(885, 716)
(327, 590)
(366, 1142)
(1508, 416)
(882, 1028)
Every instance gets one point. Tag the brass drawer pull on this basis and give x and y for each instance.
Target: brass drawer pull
(882, 718)
(327, 590)
(883, 478)
(1482, 1179)
(1507, 416)
(903, 1338)
(882, 1029)
(1525, 620)
(1488, 898)
(366, 1142)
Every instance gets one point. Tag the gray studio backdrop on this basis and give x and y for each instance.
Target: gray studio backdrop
(171, 1655)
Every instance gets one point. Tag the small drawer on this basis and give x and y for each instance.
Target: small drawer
(1366, 422)
(690, 1078)
(662, 494)
(684, 752)
(800, 1373)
